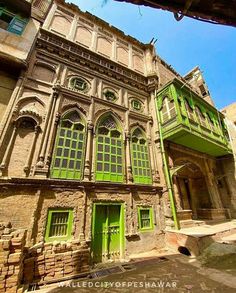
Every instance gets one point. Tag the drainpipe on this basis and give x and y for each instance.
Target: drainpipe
(166, 170)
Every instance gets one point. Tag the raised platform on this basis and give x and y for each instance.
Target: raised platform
(197, 238)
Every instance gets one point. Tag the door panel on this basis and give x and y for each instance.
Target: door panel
(100, 233)
(106, 234)
(114, 232)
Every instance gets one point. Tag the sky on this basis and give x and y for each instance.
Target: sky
(182, 44)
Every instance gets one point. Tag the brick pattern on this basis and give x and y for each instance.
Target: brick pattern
(47, 262)
(11, 258)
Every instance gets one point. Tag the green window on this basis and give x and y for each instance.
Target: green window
(110, 96)
(140, 158)
(145, 218)
(109, 156)
(136, 105)
(200, 116)
(168, 110)
(68, 159)
(59, 225)
(79, 84)
(11, 22)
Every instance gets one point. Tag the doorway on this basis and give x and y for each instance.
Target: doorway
(107, 232)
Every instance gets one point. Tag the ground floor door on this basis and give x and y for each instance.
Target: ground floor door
(108, 233)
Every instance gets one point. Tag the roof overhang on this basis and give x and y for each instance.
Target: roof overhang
(21, 6)
(219, 12)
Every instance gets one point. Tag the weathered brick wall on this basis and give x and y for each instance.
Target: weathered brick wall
(47, 262)
(11, 258)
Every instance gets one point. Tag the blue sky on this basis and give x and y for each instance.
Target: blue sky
(183, 44)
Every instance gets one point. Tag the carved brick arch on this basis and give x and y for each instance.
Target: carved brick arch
(99, 115)
(61, 24)
(46, 65)
(190, 160)
(31, 106)
(44, 71)
(135, 126)
(74, 107)
(83, 35)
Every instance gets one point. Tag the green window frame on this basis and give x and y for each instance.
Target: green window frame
(16, 25)
(140, 158)
(110, 95)
(168, 110)
(145, 218)
(69, 150)
(136, 105)
(59, 225)
(109, 151)
(79, 84)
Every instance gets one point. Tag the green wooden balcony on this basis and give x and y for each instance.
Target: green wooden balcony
(188, 120)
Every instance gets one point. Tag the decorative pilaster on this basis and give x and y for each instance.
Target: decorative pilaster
(154, 169)
(40, 168)
(128, 158)
(87, 165)
(212, 187)
(31, 151)
(8, 150)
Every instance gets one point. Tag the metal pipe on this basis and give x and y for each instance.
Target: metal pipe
(166, 170)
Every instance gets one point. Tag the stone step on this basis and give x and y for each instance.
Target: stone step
(230, 239)
(190, 223)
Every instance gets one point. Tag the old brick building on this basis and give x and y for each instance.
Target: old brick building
(82, 149)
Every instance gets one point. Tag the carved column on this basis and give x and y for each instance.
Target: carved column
(128, 158)
(48, 121)
(51, 139)
(154, 170)
(89, 145)
(31, 151)
(212, 188)
(7, 152)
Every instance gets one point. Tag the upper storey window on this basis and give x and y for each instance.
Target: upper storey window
(79, 84)
(68, 159)
(110, 96)
(11, 22)
(136, 105)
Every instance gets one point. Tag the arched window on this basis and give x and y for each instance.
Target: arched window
(189, 110)
(140, 158)
(210, 122)
(109, 157)
(68, 159)
(168, 110)
(200, 116)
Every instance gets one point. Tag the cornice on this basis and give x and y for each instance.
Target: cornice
(75, 53)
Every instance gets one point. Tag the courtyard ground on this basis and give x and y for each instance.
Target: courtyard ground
(169, 273)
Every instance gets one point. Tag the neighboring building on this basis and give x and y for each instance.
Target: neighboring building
(230, 163)
(83, 149)
(19, 24)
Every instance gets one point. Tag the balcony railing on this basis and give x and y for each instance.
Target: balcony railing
(189, 120)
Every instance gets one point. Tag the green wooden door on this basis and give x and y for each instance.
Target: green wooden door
(107, 236)
(114, 235)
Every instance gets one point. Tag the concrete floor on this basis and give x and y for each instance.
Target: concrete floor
(176, 273)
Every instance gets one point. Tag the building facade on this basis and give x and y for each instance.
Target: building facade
(103, 147)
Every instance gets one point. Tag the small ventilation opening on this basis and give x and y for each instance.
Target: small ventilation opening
(184, 250)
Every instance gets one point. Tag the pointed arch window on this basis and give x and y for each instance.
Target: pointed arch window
(68, 160)
(168, 110)
(200, 116)
(189, 110)
(109, 156)
(210, 122)
(140, 158)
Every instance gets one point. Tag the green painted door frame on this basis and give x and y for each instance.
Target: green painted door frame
(107, 231)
